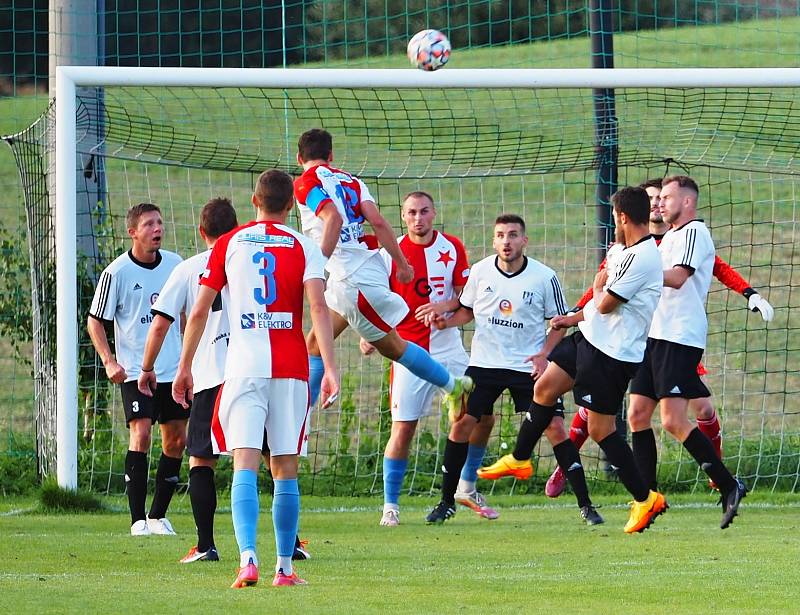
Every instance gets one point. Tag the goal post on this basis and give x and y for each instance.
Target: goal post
(70, 77)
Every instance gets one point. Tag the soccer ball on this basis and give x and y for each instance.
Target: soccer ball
(428, 50)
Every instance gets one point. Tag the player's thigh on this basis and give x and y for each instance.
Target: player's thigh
(136, 404)
(240, 415)
(167, 409)
(366, 301)
(489, 385)
(674, 369)
(198, 433)
(287, 415)
(601, 381)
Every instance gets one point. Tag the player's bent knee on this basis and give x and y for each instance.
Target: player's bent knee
(703, 410)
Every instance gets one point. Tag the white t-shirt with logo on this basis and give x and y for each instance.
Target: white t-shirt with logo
(681, 313)
(125, 294)
(635, 277)
(510, 312)
(179, 295)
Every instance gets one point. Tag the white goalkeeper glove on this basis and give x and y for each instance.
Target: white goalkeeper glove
(757, 303)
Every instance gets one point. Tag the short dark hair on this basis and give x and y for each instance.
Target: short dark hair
(684, 181)
(137, 211)
(510, 219)
(633, 202)
(273, 191)
(418, 194)
(218, 217)
(656, 182)
(315, 144)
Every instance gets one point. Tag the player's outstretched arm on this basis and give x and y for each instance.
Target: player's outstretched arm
(460, 317)
(331, 226)
(732, 279)
(565, 321)
(97, 332)
(152, 346)
(182, 385)
(386, 237)
(323, 331)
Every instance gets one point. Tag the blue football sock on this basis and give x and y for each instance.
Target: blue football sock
(419, 362)
(316, 369)
(474, 460)
(286, 515)
(394, 470)
(244, 508)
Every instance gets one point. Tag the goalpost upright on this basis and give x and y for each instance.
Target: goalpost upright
(70, 77)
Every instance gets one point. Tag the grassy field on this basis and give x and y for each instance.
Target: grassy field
(537, 557)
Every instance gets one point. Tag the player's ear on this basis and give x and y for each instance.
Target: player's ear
(254, 201)
(299, 160)
(330, 156)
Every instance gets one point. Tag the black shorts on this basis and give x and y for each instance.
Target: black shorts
(600, 380)
(198, 437)
(670, 370)
(160, 407)
(490, 384)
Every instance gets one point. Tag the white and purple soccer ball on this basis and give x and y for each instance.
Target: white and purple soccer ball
(429, 50)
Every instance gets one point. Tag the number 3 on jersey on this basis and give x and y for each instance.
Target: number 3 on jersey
(268, 271)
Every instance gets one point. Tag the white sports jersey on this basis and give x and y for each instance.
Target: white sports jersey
(179, 295)
(635, 277)
(321, 185)
(125, 294)
(265, 266)
(510, 312)
(681, 313)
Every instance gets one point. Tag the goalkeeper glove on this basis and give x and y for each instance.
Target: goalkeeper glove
(757, 303)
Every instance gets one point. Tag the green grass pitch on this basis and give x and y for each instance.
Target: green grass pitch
(538, 557)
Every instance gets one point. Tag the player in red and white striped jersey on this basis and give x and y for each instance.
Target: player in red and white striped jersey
(266, 267)
(440, 273)
(334, 206)
(703, 409)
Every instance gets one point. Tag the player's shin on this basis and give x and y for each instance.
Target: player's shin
(569, 460)
(166, 480)
(244, 509)
(533, 425)
(645, 454)
(455, 453)
(419, 362)
(136, 483)
(316, 370)
(620, 456)
(285, 518)
(203, 496)
(469, 473)
(700, 447)
(393, 472)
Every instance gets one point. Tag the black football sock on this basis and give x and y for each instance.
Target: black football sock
(455, 454)
(700, 447)
(620, 456)
(569, 460)
(536, 420)
(203, 495)
(645, 453)
(136, 483)
(166, 480)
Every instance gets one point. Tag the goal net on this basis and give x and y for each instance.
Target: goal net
(482, 143)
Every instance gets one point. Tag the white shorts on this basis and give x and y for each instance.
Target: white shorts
(410, 397)
(365, 301)
(248, 406)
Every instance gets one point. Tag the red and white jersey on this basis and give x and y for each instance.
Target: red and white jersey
(265, 266)
(438, 266)
(321, 185)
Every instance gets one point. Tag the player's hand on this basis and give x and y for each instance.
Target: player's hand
(600, 278)
(427, 313)
(538, 364)
(757, 303)
(329, 388)
(115, 372)
(440, 322)
(405, 274)
(564, 321)
(147, 383)
(182, 387)
(365, 347)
